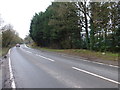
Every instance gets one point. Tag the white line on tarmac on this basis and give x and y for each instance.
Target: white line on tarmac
(110, 80)
(46, 58)
(89, 61)
(92, 61)
(101, 63)
(11, 73)
(28, 51)
(41, 56)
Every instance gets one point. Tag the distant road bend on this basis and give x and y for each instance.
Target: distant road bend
(40, 69)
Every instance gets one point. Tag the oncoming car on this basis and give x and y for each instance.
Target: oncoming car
(17, 45)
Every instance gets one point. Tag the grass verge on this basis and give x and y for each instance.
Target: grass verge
(4, 51)
(84, 53)
(0, 52)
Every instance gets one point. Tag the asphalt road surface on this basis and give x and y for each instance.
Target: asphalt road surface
(40, 69)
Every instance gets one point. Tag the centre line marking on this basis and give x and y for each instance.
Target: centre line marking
(46, 58)
(42, 56)
(110, 80)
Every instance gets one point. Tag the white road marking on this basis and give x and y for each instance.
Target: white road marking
(86, 61)
(41, 56)
(25, 45)
(28, 51)
(89, 61)
(114, 66)
(106, 64)
(110, 80)
(46, 58)
(94, 62)
(101, 63)
(11, 73)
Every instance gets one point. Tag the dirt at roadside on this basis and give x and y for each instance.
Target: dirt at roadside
(5, 73)
(0, 73)
(87, 57)
(95, 59)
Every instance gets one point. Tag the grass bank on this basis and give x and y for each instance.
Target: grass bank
(0, 52)
(3, 51)
(84, 53)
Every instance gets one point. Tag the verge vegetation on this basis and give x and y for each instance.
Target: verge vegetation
(82, 53)
(4, 51)
(8, 38)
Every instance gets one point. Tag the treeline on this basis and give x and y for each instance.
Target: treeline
(8, 36)
(68, 25)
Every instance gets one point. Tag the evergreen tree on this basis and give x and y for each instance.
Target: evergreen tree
(63, 23)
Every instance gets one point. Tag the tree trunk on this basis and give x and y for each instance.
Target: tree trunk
(86, 29)
(92, 38)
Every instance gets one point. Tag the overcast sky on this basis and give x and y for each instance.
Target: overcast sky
(19, 13)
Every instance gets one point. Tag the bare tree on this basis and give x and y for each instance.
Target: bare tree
(9, 36)
(84, 12)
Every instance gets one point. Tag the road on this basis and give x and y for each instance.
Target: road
(0, 78)
(40, 69)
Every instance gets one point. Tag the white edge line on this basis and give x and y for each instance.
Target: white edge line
(102, 63)
(92, 61)
(11, 73)
(110, 80)
(83, 60)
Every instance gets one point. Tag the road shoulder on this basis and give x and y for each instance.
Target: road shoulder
(92, 59)
(5, 81)
(0, 73)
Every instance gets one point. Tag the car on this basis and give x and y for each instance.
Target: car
(17, 45)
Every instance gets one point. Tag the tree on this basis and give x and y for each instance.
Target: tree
(104, 24)
(1, 21)
(28, 39)
(39, 29)
(9, 36)
(117, 33)
(57, 26)
(88, 25)
(83, 8)
(65, 24)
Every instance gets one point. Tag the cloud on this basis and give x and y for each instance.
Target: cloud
(19, 13)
